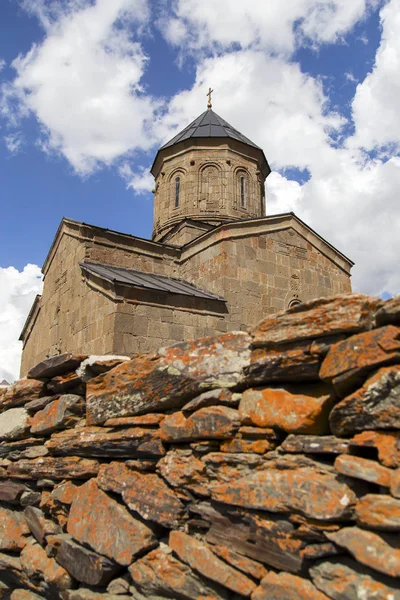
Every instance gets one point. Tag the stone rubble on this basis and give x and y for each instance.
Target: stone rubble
(261, 465)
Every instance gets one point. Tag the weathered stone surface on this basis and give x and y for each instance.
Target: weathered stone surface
(160, 575)
(220, 397)
(119, 586)
(21, 392)
(146, 493)
(386, 442)
(389, 312)
(242, 563)
(319, 495)
(14, 424)
(181, 469)
(32, 452)
(11, 492)
(362, 468)
(101, 441)
(64, 384)
(348, 361)
(56, 365)
(61, 413)
(376, 405)
(345, 579)
(349, 313)
(95, 517)
(86, 594)
(65, 492)
(12, 530)
(380, 552)
(13, 575)
(150, 420)
(294, 409)
(240, 444)
(39, 525)
(215, 422)
(69, 467)
(25, 595)
(96, 365)
(7, 448)
(376, 511)
(169, 380)
(228, 467)
(38, 404)
(37, 565)
(201, 559)
(284, 586)
(30, 498)
(395, 483)
(83, 564)
(315, 444)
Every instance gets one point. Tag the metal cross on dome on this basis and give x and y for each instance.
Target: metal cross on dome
(210, 91)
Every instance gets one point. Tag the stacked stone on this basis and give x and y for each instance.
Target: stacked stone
(262, 465)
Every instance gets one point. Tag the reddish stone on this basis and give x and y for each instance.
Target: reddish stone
(345, 579)
(239, 444)
(284, 586)
(69, 467)
(142, 421)
(96, 365)
(158, 574)
(349, 360)
(94, 518)
(389, 312)
(56, 365)
(146, 493)
(61, 413)
(315, 444)
(153, 383)
(25, 595)
(219, 397)
(65, 492)
(294, 409)
(386, 442)
(13, 575)
(64, 384)
(21, 392)
(349, 313)
(361, 468)
(101, 441)
(313, 493)
(242, 563)
(183, 470)
(374, 406)
(12, 530)
(201, 559)
(380, 552)
(376, 511)
(38, 525)
(214, 422)
(395, 483)
(37, 565)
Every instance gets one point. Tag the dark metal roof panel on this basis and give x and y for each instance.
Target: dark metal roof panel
(151, 281)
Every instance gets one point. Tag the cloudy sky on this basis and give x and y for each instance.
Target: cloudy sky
(90, 88)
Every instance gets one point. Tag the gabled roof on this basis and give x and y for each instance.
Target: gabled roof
(209, 125)
(151, 281)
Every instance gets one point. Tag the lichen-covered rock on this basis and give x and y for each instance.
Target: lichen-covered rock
(389, 312)
(387, 444)
(56, 365)
(313, 493)
(37, 565)
(349, 313)
(66, 384)
(13, 530)
(145, 493)
(14, 424)
(131, 442)
(13, 575)
(362, 468)
(395, 483)
(38, 525)
(61, 413)
(377, 511)
(95, 518)
(315, 444)
(240, 562)
(348, 361)
(160, 575)
(169, 380)
(378, 551)
(21, 392)
(220, 397)
(345, 579)
(201, 559)
(214, 422)
(69, 467)
(183, 470)
(294, 409)
(96, 365)
(376, 405)
(284, 586)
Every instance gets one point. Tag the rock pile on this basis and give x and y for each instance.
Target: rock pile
(262, 465)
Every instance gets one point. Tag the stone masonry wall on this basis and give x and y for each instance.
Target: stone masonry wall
(262, 465)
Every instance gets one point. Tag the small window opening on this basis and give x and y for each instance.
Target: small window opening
(177, 191)
(242, 192)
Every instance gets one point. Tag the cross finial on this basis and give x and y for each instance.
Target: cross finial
(210, 91)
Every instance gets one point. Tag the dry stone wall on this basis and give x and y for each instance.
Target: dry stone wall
(262, 465)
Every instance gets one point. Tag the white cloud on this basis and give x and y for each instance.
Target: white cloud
(141, 181)
(2, 64)
(283, 195)
(83, 82)
(267, 25)
(13, 142)
(376, 102)
(18, 290)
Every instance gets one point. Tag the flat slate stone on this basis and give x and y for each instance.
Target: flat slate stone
(214, 422)
(377, 511)
(38, 525)
(69, 467)
(284, 586)
(21, 392)
(362, 468)
(12, 530)
(61, 413)
(56, 365)
(14, 424)
(11, 492)
(315, 444)
(389, 312)
(37, 565)
(387, 444)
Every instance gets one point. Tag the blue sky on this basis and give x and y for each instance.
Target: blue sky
(90, 88)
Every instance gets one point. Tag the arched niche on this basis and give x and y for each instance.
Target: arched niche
(210, 187)
(243, 189)
(176, 185)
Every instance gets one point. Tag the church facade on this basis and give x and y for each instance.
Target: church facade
(215, 263)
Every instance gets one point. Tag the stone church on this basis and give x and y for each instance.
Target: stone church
(215, 263)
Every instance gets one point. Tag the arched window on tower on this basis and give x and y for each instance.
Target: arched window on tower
(177, 191)
(242, 191)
